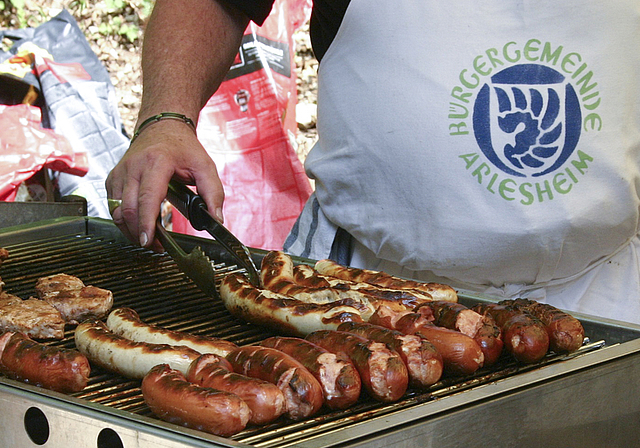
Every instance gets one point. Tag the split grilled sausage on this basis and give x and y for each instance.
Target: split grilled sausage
(456, 316)
(126, 357)
(302, 392)
(58, 369)
(174, 399)
(524, 336)
(338, 377)
(279, 312)
(436, 290)
(305, 277)
(276, 274)
(424, 363)
(566, 333)
(461, 355)
(382, 372)
(126, 322)
(489, 337)
(279, 276)
(264, 399)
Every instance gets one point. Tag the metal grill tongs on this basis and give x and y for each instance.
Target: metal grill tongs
(193, 207)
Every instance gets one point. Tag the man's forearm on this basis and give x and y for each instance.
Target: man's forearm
(188, 49)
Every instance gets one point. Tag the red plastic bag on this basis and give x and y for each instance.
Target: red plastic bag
(248, 128)
(26, 147)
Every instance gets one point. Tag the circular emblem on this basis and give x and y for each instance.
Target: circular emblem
(527, 120)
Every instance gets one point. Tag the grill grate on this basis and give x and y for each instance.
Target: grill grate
(151, 284)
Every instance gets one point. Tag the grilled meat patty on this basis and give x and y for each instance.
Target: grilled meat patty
(75, 300)
(35, 318)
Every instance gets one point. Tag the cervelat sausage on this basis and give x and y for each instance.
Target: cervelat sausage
(524, 336)
(382, 372)
(54, 368)
(489, 337)
(129, 358)
(338, 377)
(265, 400)
(456, 316)
(302, 392)
(126, 323)
(461, 355)
(424, 363)
(174, 399)
(566, 333)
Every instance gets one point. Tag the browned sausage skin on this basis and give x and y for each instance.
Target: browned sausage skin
(456, 316)
(264, 399)
(489, 337)
(54, 368)
(382, 372)
(524, 336)
(174, 399)
(338, 377)
(461, 355)
(302, 392)
(566, 333)
(424, 363)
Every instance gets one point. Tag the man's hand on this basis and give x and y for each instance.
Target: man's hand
(165, 150)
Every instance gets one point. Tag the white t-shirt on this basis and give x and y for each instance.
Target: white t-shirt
(495, 143)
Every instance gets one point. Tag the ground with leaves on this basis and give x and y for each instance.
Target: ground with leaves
(114, 29)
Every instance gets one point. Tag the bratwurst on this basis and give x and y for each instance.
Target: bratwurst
(126, 357)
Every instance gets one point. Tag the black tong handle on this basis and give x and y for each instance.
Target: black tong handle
(187, 202)
(193, 207)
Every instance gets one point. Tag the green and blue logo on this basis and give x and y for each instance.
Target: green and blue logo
(524, 110)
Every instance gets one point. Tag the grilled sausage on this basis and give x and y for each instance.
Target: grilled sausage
(54, 368)
(461, 355)
(437, 291)
(281, 313)
(126, 357)
(302, 392)
(174, 399)
(338, 377)
(265, 400)
(373, 295)
(387, 316)
(424, 363)
(382, 372)
(276, 274)
(566, 333)
(524, 336)
(456, 316)
(126, 323)
(489, 337)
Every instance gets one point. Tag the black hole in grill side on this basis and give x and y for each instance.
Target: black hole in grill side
(108, 438)
(36, 425)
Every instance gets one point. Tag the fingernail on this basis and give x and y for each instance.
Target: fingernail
(218, 214)
(144, 239)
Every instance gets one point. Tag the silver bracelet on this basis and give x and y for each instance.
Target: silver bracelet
(163, 116)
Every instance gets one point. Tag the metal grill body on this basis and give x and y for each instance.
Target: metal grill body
(591, 398)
